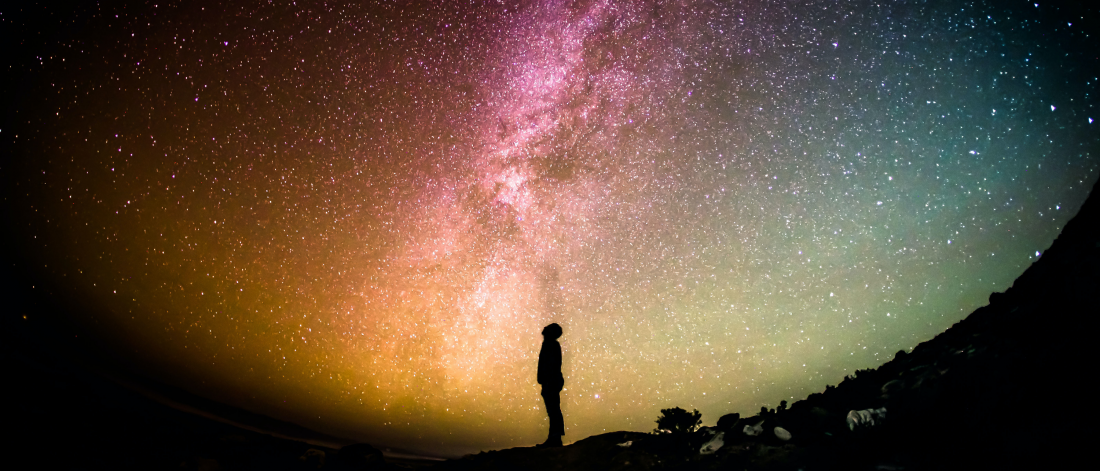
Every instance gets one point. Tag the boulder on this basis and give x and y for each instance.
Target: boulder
(782, 434)
(712, 445)
(892, 387)
(754, 430)
(726, 422)
(867, 418)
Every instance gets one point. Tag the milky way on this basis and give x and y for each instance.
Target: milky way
(359, 218)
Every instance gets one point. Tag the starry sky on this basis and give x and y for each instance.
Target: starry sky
(359, 217)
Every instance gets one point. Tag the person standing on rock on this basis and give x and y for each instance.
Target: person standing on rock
(552, 382)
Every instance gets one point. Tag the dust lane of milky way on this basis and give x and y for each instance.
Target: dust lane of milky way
(360, 217)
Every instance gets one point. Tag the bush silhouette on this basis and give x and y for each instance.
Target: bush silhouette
(677, 420)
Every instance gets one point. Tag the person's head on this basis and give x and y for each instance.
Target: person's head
(551, 332)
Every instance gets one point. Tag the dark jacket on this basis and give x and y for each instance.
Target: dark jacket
(550, 365)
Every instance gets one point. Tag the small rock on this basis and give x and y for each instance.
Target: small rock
(360, 456)
(892, 387)
(205, 464)
(782, 433)
(313, 458)
(754, 430)
(865, 418)
(714, 444)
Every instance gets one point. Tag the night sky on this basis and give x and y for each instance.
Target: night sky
(359, 218)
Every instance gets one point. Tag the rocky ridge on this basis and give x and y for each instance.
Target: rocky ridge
(993, 391)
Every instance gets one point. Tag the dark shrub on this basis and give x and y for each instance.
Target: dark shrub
(677, 420)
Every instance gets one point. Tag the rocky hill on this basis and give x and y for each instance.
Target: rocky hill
(1003, 388)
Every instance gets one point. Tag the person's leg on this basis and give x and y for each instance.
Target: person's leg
(553, 412)
(557, 421)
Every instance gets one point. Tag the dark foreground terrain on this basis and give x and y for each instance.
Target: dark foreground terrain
(1004, 388)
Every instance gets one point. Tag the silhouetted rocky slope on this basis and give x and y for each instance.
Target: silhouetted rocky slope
(1002, 388)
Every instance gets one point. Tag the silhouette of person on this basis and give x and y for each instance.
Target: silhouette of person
(552, 381)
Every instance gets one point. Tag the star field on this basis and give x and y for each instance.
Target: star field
(359, 218)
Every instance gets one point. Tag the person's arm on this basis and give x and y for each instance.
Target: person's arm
(561, 377)
(543, 367)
